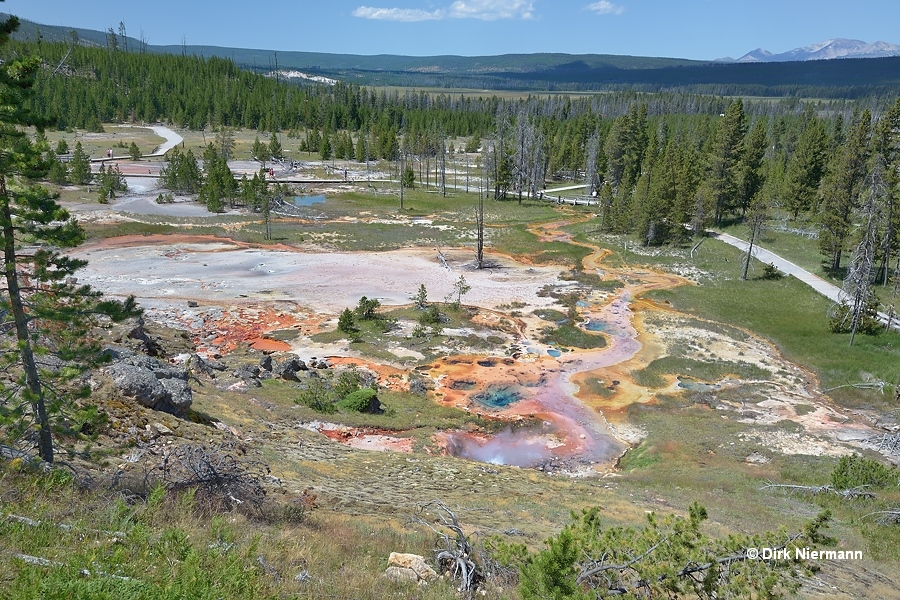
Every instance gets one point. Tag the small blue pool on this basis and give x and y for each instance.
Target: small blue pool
(309, 200)
(497, 396)
(595, 326)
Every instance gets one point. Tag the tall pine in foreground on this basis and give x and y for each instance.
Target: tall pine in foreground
(45, 319)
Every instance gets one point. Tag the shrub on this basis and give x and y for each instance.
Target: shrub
(854, 471)
(346, 322)
(770, 271)
(432, 316)
(363, 400)
(347, 382)
(316, 397)
(841, 318)
(366, 308)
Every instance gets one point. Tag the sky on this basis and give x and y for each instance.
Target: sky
(694, 29)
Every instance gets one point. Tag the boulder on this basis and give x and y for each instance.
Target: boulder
(152, 383)
(400, 574)
(248, 374)
(200, 365)
(409, 567)
(288, 368)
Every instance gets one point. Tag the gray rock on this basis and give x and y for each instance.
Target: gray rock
(152, 383)
(248, 374)
(205, 367)
(288, 368)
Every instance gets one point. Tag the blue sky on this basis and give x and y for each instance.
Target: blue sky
(697, 29)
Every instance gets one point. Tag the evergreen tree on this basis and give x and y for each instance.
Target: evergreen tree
(80, 166)
(275, 150)
(42, 312)
(840, 191)
(408, 179)
(361, 154)
(259, 150)
(110, 182)
(181, 173)
(886, 150)
(225, 142)
(134, 152)
(218, 184)
(805, 169)
(325, 147)
(752, 167)
(723, 166)
(57, 172)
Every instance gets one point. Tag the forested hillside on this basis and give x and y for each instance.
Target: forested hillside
(544, 72)
(659, 164)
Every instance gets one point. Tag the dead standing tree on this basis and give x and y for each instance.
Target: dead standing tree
(455, 552)
(756, 220)
(858, 284)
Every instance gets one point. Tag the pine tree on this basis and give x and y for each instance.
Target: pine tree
(805, 169)
(275, 150)
(225, 142)
(218, 181)
(751, 169)
(42, 313)
(259, 150)
(723, 170)
(80, 166)
(181, 173)
(841, 187)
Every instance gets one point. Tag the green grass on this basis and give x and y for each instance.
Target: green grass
(571, 336)
(162, 548)
(653, 375)
(794, 317)
(115, 137)
(549, 314)
(518, 241)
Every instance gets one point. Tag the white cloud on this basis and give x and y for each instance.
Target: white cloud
(604, 7)
(491, 10)
(485, 10)
(407, 15)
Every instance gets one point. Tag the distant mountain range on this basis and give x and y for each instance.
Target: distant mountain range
(829, 49)
(759, 73)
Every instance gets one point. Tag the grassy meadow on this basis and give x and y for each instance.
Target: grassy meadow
(333, 542)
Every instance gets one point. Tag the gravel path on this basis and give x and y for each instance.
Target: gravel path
(830, 291)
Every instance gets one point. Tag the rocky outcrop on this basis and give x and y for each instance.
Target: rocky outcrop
(409, 567)
(149, 337)
(248, 374)
(201, 366)
(288, 368)
(151, 382)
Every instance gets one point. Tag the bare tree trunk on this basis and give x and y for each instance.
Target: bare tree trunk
(35, 392)
(858, 284)
(479, 224)
(402, 172)
(443, 166)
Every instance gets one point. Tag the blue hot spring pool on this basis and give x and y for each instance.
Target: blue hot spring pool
(499, 396)
(309, 200)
